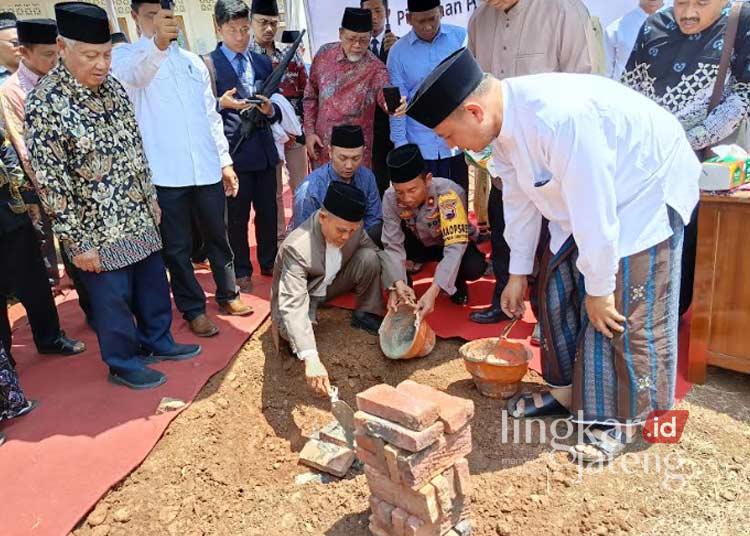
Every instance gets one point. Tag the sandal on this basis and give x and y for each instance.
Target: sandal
(607, 444)
(536, 404)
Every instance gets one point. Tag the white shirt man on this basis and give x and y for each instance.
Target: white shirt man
(620, 36)
(187, 151)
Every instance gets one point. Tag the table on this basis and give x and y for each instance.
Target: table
(720, 329)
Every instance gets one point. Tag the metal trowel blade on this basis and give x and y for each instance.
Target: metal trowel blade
(344, 414)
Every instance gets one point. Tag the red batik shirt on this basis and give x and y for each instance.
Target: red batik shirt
(341, 92)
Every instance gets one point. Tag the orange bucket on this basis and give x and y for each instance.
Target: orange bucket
(496, 364)
(403, 335)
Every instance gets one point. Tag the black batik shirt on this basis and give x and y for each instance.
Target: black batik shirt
(678, 71)
(91, 170)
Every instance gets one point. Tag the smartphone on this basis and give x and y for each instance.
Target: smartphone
(252, 100)
(392, 97)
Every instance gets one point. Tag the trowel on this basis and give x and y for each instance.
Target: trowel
(344, 414)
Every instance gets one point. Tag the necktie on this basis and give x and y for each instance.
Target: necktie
(374, 46)
(246, 88)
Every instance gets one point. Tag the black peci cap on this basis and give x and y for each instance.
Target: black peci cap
(357, 20)
(83, 22)
(415, 6)
(345, 201)
(405, 163)
(37, 31)
(347, 136)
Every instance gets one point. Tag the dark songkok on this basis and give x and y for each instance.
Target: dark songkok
(405, 163)
(289, 36)
(445, 88)
(83, 22)
(7, 20)
(345, 201)
(37, 31)
(415, 6)
(357, 20)
(347, 136)
(119, 37)
(265, 7)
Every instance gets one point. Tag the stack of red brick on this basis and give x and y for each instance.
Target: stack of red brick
(414, 440)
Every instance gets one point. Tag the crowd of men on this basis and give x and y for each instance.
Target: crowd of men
(140, 160)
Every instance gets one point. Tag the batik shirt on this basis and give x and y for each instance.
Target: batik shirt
(341, 92)
(92, 174)
(293, 84)
(678, 71)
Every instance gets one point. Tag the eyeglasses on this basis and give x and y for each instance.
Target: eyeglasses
(364, 41)
(11, 42)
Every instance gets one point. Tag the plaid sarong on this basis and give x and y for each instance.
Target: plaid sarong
(625, 378)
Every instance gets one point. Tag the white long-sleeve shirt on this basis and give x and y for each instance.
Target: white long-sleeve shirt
(599, 161)
(619, 39)
(182, 132)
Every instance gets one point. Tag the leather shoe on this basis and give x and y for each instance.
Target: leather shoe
(179, 352)
(236, 307)
(491, 315)
(146, 378)
(63, 346)
(461, 296)
(202, 326)
(366, 321)
(245, 284)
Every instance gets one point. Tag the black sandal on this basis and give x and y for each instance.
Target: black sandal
(536, 404)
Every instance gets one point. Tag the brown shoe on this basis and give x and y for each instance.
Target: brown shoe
(202, 326)
(245, 284)
(236, 308)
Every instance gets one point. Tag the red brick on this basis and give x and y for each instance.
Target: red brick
(417, 527)
(327, 457)
(421, 503)
(454, 411)
(391, 460)
(417, 469)
(333, 432)
(463, 477)
(383, 514)
(368, 458)
(386, 402)
(444, 493)
(368, 442)
(397, 435)
(398, 521)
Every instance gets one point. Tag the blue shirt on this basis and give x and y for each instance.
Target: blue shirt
(249, 81)
(409, 62)
(310, 194)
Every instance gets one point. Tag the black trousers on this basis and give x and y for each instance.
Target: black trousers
(453, 168)
(689, 246)
(257, 190)
(84, 301)
(500, 249)
(24, 275)
(208, 204)
(473, 263)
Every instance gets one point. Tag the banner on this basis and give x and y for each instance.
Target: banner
(324, 16)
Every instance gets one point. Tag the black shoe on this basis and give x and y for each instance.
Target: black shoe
(63, 346)
(179, 352)
(491, 315)
(366, 321)
(461, 296)
(31, 405)
(145, 378)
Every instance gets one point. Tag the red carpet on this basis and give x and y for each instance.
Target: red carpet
(452, 321)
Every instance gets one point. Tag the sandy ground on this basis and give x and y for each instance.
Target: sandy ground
(227, 464)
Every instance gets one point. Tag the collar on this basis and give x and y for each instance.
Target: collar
(26, 75)
(255, 46)
(379, 37)
(412, 36)
(506, 131)
(231, 55)
(76, 88)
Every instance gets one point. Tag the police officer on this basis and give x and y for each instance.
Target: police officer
(425, 219)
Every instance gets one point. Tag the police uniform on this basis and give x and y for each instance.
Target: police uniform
(439, 230)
